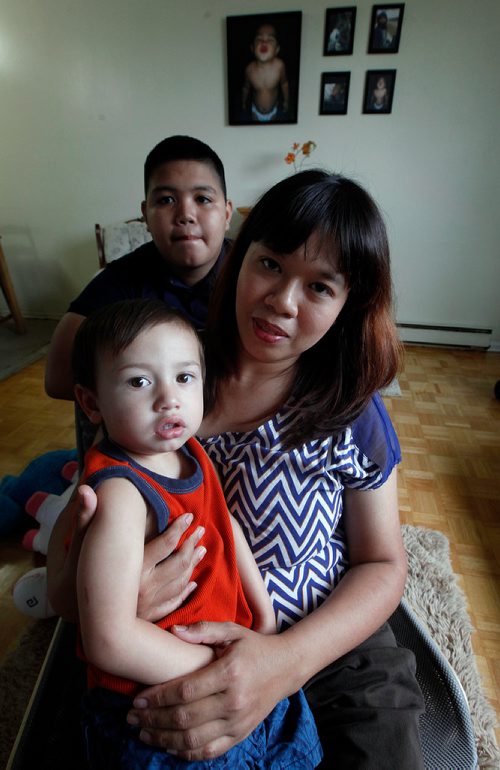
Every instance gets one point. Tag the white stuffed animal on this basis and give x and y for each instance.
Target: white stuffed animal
(45, 509)
(30, 592)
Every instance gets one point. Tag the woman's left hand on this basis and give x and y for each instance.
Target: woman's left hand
(204, 714)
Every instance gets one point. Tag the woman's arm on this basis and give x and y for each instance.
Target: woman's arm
(253, 586)
(108, 577)
(166, 573)
(220, 705)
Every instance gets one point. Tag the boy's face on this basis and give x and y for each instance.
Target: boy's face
(265, 44)
(150, 396)
(187, 217)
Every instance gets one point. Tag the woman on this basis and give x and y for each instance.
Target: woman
(300, 339)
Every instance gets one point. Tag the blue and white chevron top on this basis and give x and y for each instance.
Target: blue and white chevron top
(289, 502)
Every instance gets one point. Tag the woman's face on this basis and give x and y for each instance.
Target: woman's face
(286, 303)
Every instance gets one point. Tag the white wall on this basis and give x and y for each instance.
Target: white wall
(89, 86)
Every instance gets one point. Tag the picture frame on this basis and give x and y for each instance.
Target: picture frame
(334, 93)
(339, 31)
(385, 28)
(272, 41)
(379, 92)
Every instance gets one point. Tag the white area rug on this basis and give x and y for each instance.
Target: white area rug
(433, 592)
(391, 390)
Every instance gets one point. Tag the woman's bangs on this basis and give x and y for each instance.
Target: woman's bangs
(292, 224)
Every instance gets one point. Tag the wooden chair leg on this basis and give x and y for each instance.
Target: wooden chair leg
(10, 296)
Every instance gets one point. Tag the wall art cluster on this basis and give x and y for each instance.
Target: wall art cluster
(263, 63)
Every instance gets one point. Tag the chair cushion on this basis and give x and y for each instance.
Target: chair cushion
(120, 239)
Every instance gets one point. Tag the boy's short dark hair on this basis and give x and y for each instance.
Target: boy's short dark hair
(183, 148)
(114, 327)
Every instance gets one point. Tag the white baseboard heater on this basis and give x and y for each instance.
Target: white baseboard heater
(459, 336)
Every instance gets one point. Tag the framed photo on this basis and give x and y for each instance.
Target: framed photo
(379, 91)
(263, 61)
(385, 30)
(339, 31)
(334, 93)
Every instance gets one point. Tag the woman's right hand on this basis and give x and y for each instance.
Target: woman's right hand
(166, 582)
(204, 714)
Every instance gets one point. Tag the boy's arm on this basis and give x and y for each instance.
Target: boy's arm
(58, 374)
(285, 88)
(108, 577)
(245, 90)
(253, 585)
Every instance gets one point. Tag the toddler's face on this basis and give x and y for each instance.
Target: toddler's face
(265, 44)
(150, 395)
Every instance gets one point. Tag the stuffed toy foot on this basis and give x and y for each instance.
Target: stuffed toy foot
(30, 594)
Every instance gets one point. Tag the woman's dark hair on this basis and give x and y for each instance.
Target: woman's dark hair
(114, 327)
(361, 352)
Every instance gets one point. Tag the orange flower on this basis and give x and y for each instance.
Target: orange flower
(304, 150)
(308, 147)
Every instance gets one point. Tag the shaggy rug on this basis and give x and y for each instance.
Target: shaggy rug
(392, 390)
(432, 591)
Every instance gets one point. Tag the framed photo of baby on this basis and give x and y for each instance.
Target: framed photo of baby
(339, 31)
(385, 29)
(379, 91)
(263, 63)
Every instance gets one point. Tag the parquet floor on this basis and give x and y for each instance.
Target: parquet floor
(448, 423)
(31, 424)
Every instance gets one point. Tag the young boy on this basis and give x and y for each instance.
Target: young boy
(139, 370)
(187, 213)
(266, 78)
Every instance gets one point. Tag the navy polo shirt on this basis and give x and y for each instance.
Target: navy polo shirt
(144, 274)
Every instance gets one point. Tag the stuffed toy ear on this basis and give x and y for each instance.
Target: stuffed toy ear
(69, 471)
(45, 509)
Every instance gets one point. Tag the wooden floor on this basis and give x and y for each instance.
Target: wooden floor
(448, 423)
(30, 425)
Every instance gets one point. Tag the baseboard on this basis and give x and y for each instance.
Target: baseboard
(458, 336)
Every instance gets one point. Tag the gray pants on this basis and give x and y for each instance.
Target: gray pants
(366, 706)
